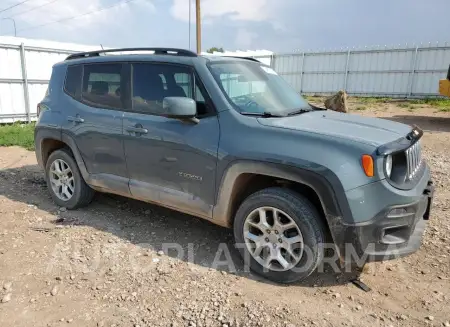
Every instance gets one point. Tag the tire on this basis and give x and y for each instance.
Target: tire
(82, 194)
(285, 204)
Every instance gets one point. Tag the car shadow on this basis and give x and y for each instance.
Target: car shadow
(149, 226)
(427, 123)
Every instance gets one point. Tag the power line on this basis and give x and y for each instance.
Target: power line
(32, 9)
(74, 17)
(17, 4)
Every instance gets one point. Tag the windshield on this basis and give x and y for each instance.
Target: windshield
(254, 88)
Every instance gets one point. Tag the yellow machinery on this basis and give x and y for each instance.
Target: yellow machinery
(444, 85)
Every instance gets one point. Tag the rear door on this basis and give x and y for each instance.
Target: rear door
(169, 161)
(94, 116)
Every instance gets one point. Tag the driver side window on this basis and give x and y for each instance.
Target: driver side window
(153, 82)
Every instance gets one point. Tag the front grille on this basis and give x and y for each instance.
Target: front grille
(413, 160)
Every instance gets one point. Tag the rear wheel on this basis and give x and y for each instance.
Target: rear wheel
(64, 180)
(280, 234)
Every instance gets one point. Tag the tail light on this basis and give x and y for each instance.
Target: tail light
(41, 108)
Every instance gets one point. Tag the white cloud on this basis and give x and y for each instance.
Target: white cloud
(62, 9)
(249, 10)
(244, 39)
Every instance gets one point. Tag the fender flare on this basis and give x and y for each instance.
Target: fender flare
(40, 135)
(43, 134)
(324, 182)
(67, 139)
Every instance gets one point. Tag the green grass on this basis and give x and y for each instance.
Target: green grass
(439, 103)
(361, 108)
(370, 100)
(311, 98)
(443, 105)
(17, 134)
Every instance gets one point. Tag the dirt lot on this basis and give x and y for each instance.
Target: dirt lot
(102, 265)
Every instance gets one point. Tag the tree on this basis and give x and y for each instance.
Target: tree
(215, 49)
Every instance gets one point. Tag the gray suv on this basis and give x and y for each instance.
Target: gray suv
(228, 140)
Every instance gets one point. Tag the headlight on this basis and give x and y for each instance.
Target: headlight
(388, 165)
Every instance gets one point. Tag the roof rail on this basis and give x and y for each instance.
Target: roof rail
(158, 51)
(246, 58)
(237, 57)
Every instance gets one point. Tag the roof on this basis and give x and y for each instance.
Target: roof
(169, 55)
(132, 57)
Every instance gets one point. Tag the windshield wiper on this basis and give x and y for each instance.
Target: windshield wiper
(299, 111)
(265, 114)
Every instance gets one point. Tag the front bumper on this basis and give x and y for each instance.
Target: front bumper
(396, 231)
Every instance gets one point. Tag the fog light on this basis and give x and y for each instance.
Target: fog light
(397, 212)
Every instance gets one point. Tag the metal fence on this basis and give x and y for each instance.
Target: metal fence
(391, 72)
(400, 72)
(24, 75)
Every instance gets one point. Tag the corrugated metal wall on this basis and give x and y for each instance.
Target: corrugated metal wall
(24, 75)
(11, 83)
(399, 72)
(402, 72)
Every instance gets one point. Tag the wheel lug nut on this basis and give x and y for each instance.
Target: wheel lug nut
(276, 232)
(280, 240)
(267, 239)
(268, 231)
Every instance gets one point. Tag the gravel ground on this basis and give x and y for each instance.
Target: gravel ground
(104, 265)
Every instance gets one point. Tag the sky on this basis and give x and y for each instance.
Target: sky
(276, 25)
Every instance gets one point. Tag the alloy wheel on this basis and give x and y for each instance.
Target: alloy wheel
(62, 180)
(273, 238)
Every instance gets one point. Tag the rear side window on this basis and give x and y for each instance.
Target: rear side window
(102, 86)
(72, 85)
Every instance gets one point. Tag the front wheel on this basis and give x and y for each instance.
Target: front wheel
(280, 234)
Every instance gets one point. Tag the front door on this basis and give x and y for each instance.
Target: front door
(170, 162)
(94, 118)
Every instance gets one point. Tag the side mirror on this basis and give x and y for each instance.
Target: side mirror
(180, 108)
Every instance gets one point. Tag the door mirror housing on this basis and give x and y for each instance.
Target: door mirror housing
(180, 108)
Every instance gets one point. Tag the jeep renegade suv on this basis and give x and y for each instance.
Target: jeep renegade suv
(228, 140)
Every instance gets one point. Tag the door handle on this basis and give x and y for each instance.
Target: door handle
(137, 130)
(76, 119)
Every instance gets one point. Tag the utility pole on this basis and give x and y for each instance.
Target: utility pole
(199, 26)
(189, 24)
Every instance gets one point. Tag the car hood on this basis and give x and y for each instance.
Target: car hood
(372, 131)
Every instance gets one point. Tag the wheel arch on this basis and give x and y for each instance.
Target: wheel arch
(47, 141)
(243, 178)
(67, 139)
